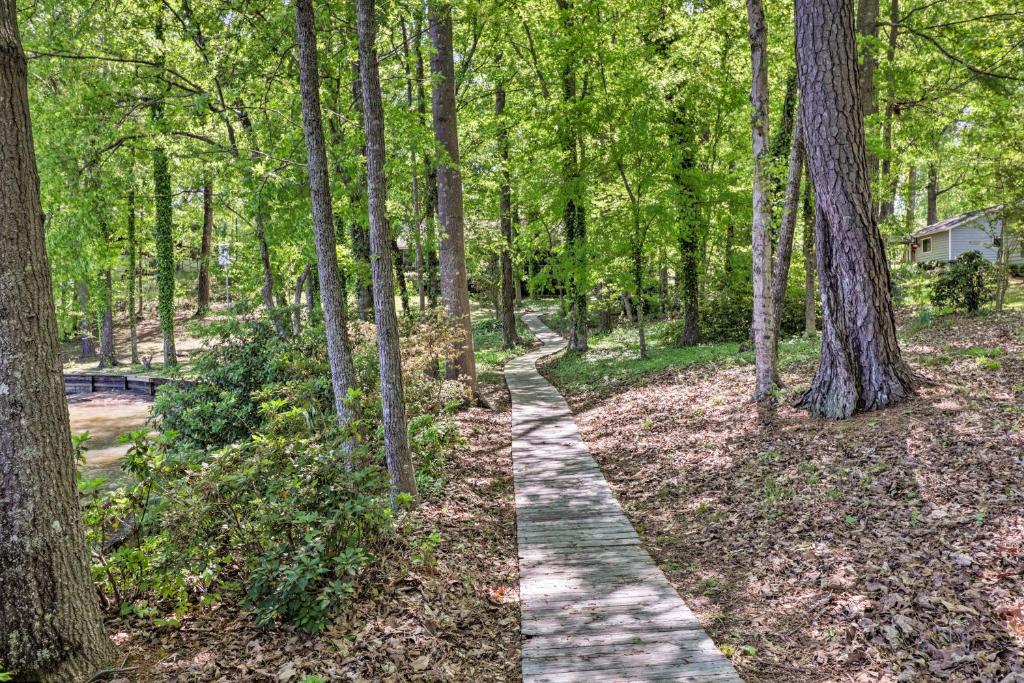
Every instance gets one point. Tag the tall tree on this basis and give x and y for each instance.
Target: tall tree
(163, 225)
(861, 366)
(339, 353)
(764, 325)
(452, 248)
(509, 336)
(574, 216)
(133, 267)
(49, 615)
(205, 247)
(396, 436)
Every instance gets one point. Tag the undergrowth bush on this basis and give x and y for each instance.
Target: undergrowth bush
(245, 494)
(966, 284)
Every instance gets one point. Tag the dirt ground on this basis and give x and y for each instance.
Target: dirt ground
(887, 547)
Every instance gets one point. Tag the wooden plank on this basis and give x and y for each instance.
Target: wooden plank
(594, 605)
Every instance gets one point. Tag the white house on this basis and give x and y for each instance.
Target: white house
(980, 231)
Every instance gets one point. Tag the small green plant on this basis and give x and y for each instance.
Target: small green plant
(711, 587)
(851, 520)
(426, 552)
(768, 456)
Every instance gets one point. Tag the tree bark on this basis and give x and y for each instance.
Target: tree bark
(509, 336)
(861, 366)
(300, 287)
(911, 202)
(163, 238)
(49, 615)
(764, 326)
(452, 249)
(885, 205)
(396, 437)
(205, 246)
(403, 287)
(339, 354)
(810, 299)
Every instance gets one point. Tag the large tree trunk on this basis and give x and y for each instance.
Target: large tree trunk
(509, 336)
(810, 298)
(780, 276)
(764, 326)
(49, 616)
(396, 437)
(108, 355)
(454, 278)
(205, 246)
(575, 212)
(133, 266)
(339, 354)
(861, 366)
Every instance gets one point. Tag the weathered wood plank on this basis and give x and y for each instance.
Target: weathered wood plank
(595, 607)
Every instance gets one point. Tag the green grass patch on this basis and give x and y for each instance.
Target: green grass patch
(614, 359)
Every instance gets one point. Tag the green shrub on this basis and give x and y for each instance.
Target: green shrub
(966, 284)
(728, 315)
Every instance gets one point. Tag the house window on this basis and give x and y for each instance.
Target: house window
(997, 242)
(926, 245)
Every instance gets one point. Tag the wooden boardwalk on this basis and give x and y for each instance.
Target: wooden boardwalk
(595, 606)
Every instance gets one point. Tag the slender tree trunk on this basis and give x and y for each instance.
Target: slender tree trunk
(49, 617)
(574, 215)
(861, 366)
(867, 34)
(888, 185)
(933, 194)
(205, 246)
(133, 266)
(108, 355)
(433, 263)
(163, 237)
(764, 325)
(403, 287)
(638, 282)
(360, 232)
(791, 204)
(396, 437)
(810, 300)
(509, 336)
(454, 278)
(86, 338)
(417, 225)
(300, 287)
(339, 354)
(311, 294)
(689, 245)
(259, 212)
(911, 202)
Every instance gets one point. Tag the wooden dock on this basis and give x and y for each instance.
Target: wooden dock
(85, 383)
(595, 606)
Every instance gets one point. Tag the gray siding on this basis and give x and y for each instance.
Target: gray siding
(939, 250)
(979, 237)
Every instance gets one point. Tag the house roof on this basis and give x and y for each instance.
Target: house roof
(954, 222)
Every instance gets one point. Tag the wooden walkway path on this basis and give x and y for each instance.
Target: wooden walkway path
(595, 606)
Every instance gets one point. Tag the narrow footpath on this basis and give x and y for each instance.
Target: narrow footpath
(595, 606)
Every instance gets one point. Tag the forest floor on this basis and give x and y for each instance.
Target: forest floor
(439, 610)
(886, 547)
